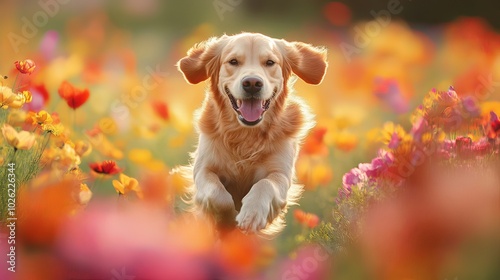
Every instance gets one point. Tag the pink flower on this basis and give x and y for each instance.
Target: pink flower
(481, 147)
(394, 142)
(419, 127)
(389, 91)
(463, 145)
(352, 178)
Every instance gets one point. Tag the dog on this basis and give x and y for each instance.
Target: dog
(250, 127)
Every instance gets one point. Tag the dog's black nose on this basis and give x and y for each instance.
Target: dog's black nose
(252, 84)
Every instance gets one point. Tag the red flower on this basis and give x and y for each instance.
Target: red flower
(74, 97)
(107, 167)
(161, 109)
(308, 219)
(26, 66)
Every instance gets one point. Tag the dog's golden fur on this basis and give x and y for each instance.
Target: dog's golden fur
(244, 175)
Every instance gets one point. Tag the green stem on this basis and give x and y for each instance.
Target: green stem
(74, 119)
(14, 85)
(96, 182)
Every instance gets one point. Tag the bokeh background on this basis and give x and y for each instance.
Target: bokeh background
(379, 71)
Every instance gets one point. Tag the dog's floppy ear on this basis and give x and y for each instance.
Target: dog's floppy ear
(306, 61)
(201, 59)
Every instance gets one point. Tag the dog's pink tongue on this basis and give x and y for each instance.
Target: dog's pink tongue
(251, 109)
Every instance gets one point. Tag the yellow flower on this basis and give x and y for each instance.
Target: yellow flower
(127, 184)
(27, 96)
(42, 117)
(346, 141)
(489, 106)
(13, 100)
(140, 156)
(23, 140)
(55, 129)
(83, 148)
(6, 96)
(16, 117)
(391, 130)
(108, 126)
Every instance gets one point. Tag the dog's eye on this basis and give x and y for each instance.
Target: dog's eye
(233, 62)
(270, 63)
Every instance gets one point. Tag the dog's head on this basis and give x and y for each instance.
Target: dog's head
(250, 71)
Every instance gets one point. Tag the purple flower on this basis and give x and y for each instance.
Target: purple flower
(470, 106)
(493, 116)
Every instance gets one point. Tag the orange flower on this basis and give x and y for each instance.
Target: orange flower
(25, 66)
(74, 97)
(315, 144)
(107, 167)
(307, 219)
(40, 118)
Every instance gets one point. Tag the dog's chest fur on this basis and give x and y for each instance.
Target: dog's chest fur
(239, 159)
(239, 155)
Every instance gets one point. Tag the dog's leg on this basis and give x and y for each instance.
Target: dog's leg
(263, 203)
(213, 199)
(268, 197)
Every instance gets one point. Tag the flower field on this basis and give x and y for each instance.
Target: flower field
(401, 172)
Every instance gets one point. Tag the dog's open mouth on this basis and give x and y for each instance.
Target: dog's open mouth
(250, 111)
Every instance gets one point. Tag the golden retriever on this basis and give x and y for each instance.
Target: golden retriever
(250, 127)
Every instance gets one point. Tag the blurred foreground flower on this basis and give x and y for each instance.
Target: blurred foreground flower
(26, 66)
(47, 207)
(73, 96)
(141, 239)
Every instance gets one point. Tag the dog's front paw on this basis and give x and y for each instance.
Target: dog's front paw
(253, 217)
(217, 202)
